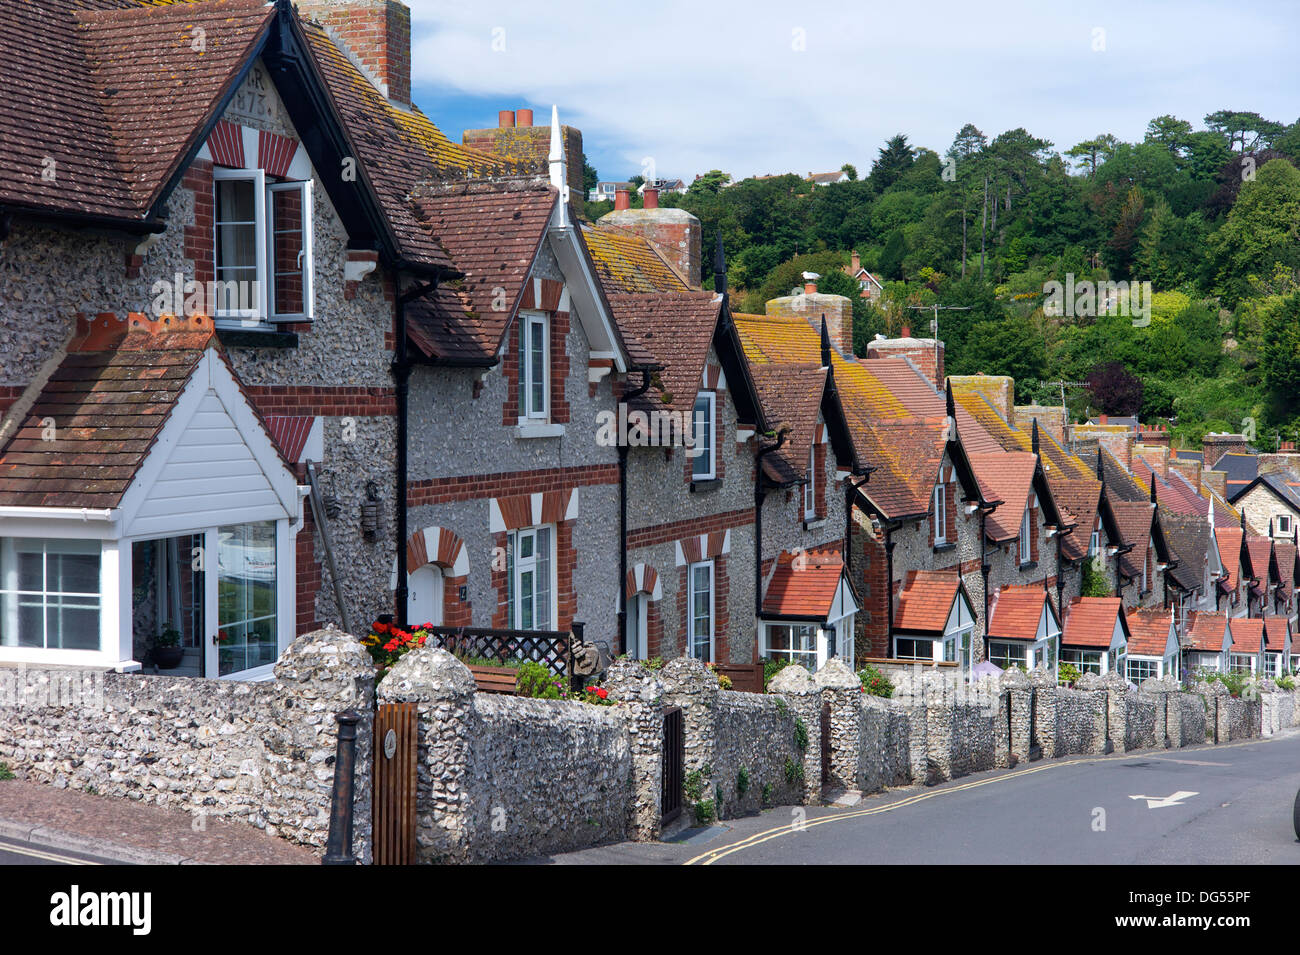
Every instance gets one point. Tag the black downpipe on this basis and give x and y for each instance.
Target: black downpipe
(850, 501)
(758, 517)
(984, 572)
(622, 520)
(889, 587)
(402, 378)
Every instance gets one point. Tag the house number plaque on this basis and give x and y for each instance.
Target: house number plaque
(390, 744)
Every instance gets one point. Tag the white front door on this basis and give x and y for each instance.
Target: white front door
(424, 596)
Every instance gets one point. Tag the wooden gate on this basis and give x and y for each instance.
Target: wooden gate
(674, 760)
(826, 744)
(393, 801)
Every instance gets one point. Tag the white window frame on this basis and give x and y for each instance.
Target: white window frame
(1026, 548)
(1155, 668)
(519, 566)
(690, 608)
(1085, 661)
(242, 317)
(810, 489)
(1283, 525)
(306, 258)
(529, 324)
(809, 659)
(1019, 648)
(704, 456)
(638, 619)
(940, 498)
(85, 548)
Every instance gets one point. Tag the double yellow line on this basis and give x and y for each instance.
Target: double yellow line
(713, 855)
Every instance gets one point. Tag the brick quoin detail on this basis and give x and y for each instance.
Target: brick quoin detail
(323, 400)
(471, 487)
(455, 612)
(199, 240)
(654, 630)
(694, 527)
(874, 589)
(308, 573)
(559, 367)
(8, 395)
(819, 492)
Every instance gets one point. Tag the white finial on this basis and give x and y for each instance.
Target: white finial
(559, 169)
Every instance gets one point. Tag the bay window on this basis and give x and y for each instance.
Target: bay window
(795, 642)
(50, 594)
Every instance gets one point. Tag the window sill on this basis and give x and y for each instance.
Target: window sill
(707, 484)
(812, 525)
(1029, 565)
(945, 547)
(256, 338)
(539, 430)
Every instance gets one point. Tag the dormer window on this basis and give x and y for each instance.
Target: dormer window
(263, 249)
(940, 514)
(534, 367)
(704, 418)
(1026, 529)
(810, 489)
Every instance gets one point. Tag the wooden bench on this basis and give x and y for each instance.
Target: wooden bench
(494, 679)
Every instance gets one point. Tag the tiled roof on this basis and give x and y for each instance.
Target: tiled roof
(1247, 634)
(1080, 498)
(492, 229)
(1188, 537)
(1175, 495)
(1090, 622)
(112, 93)
(677, 329)
(1149, 631)
(1120, 484)
(1188, 455)
(1229, 540)
(925, 601)
(792, 396)
(1057, 462)
(1260, 552)
(1135, 519)
(627, 262)
(807, 592)
(1006, 476)
(1241, 469)
(1285, 553)
(1278, 633)
(1016, 611)
(110, 397)
(1204, 631)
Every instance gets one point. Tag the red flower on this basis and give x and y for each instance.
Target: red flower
(602, 693)
(379, 628)
(590, 689)
(420, 642)
(390, 646)
(426, 626)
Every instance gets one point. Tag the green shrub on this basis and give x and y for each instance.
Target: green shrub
(875, 682)
(1285, 683)
(742, 782)
(800, 735)
(767, 793)
(6, 772)
(1094, 583)
(1068, 674)
(704, 812)
(535, 681)
(1235, 682)
(771, 668)
(793, 771)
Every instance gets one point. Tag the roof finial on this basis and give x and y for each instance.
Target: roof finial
(952, 405)
(1101, 471)
(1033, 438)
(826, 343)
(719, 267)
(1243, 518)
(1270, 528)
(559, 169)
(1153, 488)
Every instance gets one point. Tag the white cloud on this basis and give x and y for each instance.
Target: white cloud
(698, 87)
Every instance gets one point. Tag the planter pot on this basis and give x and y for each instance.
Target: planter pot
(168, 658)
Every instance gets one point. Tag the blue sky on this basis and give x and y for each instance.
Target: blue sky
(769, 87)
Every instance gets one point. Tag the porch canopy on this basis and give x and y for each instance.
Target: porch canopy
(808, 609)
(1152, 644)
(1207, 639)
(140, 495)
(1024, 629)
(935, 618)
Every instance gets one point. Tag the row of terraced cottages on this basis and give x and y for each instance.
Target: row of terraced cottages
(281, 354)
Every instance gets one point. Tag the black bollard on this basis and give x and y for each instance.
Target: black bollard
(338, 851)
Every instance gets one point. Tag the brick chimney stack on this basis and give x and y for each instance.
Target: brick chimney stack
(375, 35)
(622, 200)
(517, 140)
(1216, 444)
(650, 198)
(812, 305)
(926, 354)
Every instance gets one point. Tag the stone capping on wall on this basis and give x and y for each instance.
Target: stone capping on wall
(261, 752)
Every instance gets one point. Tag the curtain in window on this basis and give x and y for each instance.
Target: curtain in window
(49, 594)
(236, 231)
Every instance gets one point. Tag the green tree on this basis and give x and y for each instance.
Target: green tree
(1280, 351)
(1091, 153)
(1262, 232)
(1245, 129)
(895, 158)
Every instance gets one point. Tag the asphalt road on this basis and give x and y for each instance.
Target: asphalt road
(21, 853)
(1074, 810)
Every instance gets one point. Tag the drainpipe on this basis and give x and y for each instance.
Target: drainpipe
(984, 570)
(763, 452)
(402, 378)
(622, 520)
(889, 586)
(850, 499)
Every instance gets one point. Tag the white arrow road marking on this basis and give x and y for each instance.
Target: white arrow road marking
(1159, 802)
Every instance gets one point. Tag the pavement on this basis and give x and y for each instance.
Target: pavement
(42, 824)
(1223, 805)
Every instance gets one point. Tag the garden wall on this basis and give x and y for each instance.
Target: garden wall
(258, 752)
